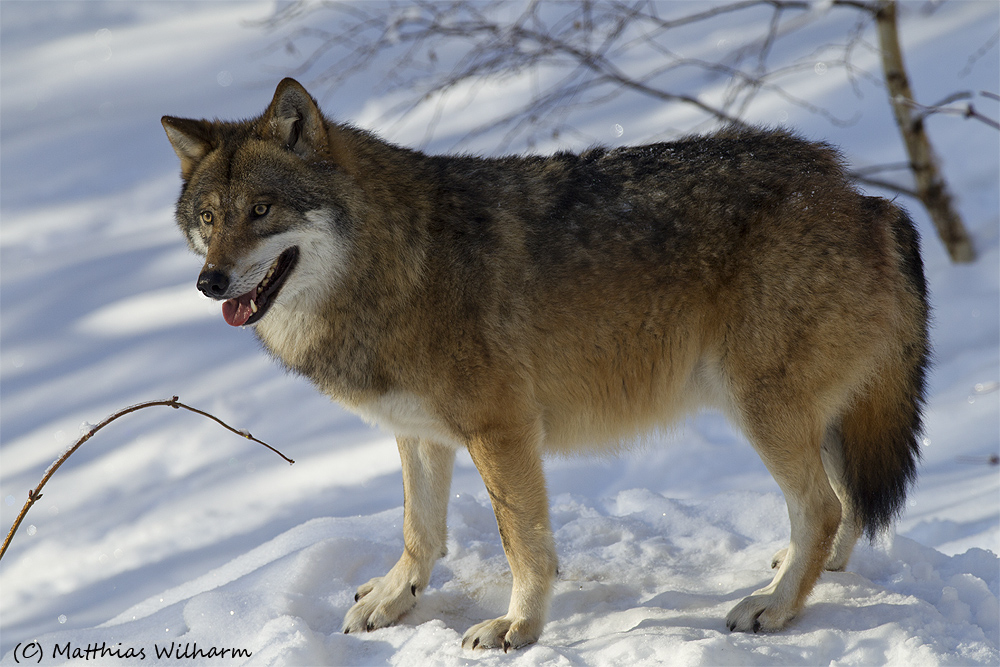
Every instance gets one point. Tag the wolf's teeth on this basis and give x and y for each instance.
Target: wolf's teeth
(253, 306)
(266, 280)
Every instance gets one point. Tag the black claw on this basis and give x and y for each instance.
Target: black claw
(357, 596)
(756, 621)
(413, 590)
(475, 644)
(506, 645)
(347, 631)
(369, 627)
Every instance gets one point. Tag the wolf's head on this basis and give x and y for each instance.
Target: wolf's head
(262, 201)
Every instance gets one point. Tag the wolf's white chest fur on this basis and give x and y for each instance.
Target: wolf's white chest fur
(406, 414)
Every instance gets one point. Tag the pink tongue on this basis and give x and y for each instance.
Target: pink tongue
(237, 311)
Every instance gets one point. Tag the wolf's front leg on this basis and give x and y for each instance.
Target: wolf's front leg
(427, 468)
(511, 468)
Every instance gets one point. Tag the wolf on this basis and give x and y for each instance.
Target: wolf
(525, 305)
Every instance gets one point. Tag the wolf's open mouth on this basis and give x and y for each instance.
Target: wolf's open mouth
(250, 307)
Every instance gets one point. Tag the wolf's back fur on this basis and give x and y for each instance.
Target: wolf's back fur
(523, 304)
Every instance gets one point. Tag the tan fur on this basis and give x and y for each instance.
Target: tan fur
(519, 306)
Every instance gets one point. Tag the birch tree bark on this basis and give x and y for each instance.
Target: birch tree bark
(931, 189)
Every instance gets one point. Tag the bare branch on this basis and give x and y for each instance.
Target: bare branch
(885, 185)
(931, 187)
(36, 493)
(966, 111)
(980, 52)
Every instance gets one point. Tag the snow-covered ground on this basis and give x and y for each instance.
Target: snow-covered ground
(165, 530)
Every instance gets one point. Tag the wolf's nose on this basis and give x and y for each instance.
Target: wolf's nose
(213, 283)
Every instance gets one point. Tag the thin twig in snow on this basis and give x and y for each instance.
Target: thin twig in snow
(36, 493)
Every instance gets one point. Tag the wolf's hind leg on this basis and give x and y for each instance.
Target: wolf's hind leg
(849, 529)
(790, 449)
(850, 524)
(427, 468)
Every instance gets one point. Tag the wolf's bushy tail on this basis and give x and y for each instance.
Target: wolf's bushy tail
(881, 429)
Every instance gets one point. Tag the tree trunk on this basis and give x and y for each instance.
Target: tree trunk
(930, 185)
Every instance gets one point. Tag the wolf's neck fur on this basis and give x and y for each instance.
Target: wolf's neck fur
(364, 274)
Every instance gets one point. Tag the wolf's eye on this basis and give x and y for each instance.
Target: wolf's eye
(260, 210)
(206, 217)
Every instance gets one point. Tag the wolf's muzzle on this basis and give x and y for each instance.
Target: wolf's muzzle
(213, 283)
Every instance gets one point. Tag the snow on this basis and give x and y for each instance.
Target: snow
(166, 530)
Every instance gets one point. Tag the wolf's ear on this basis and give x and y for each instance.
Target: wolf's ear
(295, 121)
(191, 139)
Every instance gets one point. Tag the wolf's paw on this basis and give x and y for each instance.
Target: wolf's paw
(759, 613)
(380, 603)
(502, 633)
